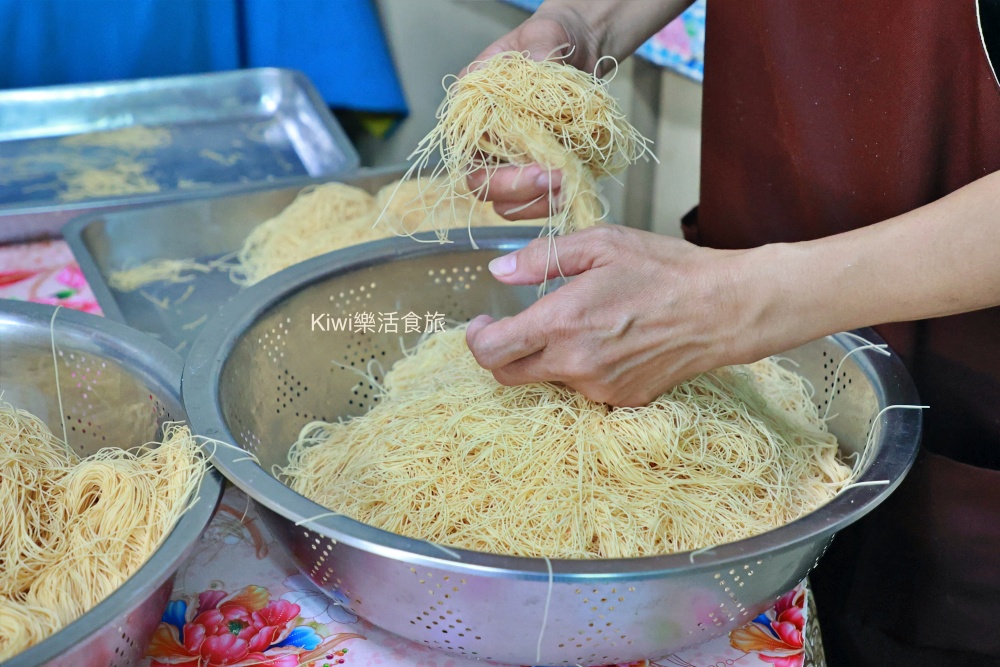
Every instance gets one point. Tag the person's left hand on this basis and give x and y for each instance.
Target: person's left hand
(643, 313)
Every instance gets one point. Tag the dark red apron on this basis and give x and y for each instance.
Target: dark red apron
(820, 117)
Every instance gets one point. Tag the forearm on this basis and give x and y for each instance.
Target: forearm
(617, 27)
(938, 260)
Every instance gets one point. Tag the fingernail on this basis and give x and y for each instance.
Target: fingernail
(504, 265)
(478, 323)
(543, 180)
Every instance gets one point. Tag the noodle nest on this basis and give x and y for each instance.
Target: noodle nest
(73, 530)
(451, 456)
(513, 110)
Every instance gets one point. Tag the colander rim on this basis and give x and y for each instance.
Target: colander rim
(162, 367)
(900, 436)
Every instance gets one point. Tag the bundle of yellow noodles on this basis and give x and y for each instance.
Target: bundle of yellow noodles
(513, 110)
(449, 455)
(73, 530)
(322, 219)
(334, 216)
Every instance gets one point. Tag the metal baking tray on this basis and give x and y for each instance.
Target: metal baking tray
(70, 150)
(199, 227)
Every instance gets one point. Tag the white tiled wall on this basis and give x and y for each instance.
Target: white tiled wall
(433, 38)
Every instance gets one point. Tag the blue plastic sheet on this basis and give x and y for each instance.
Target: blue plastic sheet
(338, 44)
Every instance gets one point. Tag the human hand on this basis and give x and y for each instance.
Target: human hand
(528, 192)
(581, 34)
(643, 313)
(557, 32)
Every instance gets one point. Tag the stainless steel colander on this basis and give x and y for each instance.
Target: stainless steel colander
(273, 361)
(118, 387)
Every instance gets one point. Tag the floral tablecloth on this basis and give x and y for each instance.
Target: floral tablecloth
(239, 601)
(45, 273)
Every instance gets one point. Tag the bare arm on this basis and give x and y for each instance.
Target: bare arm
(646, 312)
(937, 260)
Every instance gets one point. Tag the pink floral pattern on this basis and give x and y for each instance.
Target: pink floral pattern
(45, 273)
(674, 37)
(72, 276)
(776, 636)
(240, 630)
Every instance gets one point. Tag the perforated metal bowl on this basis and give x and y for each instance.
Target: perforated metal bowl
(118, 387)
(269, 363)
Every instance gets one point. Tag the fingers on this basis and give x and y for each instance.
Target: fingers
(514, 184)
(539, 37)
(492, 347)
(495, 344)
(538, 209)
(505, 43)
(489, 52)
(550, 365)
(538, 42)
(523, 371)
(549, 257)
(517, 193)
(476, 325)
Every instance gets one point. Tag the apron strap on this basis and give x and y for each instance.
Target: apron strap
(988, 14)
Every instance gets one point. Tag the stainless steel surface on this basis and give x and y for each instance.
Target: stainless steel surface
(261, 369)
(118, 387)
(194, 227)
(230, 130)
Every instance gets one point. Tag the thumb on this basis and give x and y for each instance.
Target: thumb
(548, 258)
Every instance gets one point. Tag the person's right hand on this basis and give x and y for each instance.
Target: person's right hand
(525, 192)
(580, 33)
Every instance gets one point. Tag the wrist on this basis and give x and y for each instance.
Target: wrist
(782, 300)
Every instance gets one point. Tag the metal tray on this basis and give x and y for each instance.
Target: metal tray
(201, 228)
(209, 133)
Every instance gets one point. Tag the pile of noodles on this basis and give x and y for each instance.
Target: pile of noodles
(85, 166)
(73, 530)
(322, 219)
(512, 110)
(334, 216)
(450, 456)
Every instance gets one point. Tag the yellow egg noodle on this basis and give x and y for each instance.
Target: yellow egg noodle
(73, 530)
(451, 456)
(333, 216)
(125, 177)
(135, 138)
(157, 270)
(512, 110)
(107, 163)
(321, 219)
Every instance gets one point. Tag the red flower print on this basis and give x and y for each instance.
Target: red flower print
(233, 631)
(241, 630)
(11, 277)
(776, 636)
